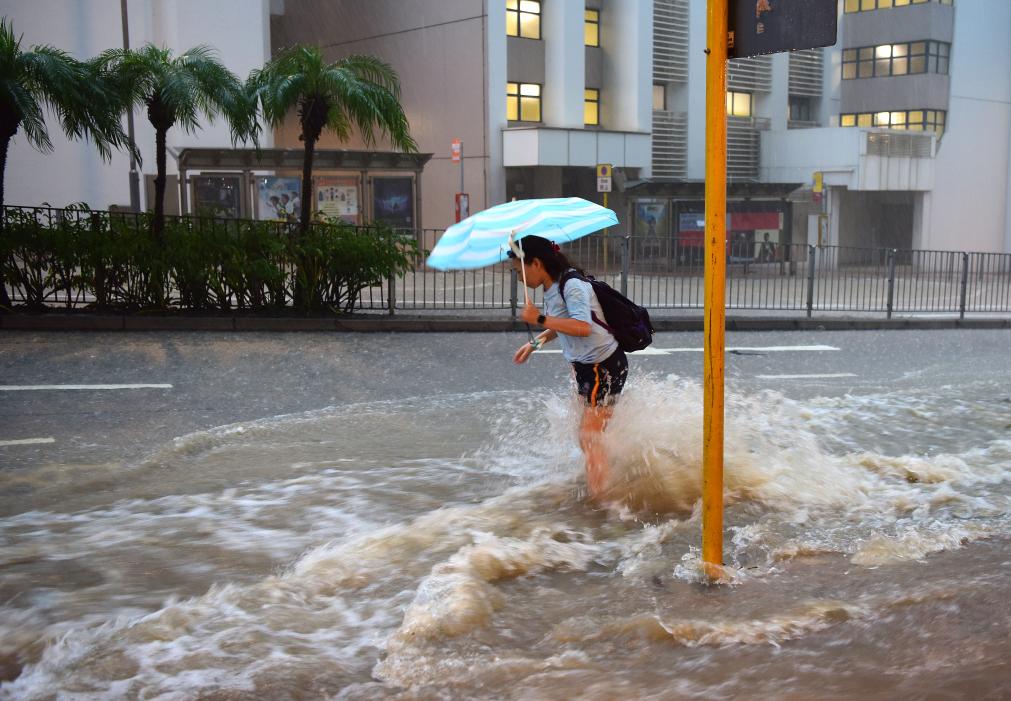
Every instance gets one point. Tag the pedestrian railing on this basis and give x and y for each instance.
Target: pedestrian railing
(667, 273)
(659, 272)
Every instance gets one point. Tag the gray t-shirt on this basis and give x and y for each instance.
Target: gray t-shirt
(579, 302)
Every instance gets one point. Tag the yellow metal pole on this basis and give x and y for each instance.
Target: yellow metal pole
(715, 282)
(605, 241)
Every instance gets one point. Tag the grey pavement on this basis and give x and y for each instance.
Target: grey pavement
(223, 378)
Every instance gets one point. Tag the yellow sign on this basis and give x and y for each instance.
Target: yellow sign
(604, 170)
(819, 182)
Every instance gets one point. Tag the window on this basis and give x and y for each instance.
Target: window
(738, 104)
(591, 28)
(801, 109)
(659, 97)
(913, 120)
(523, 102)
(591, 106)
(523, 19)
(896, 59)
(868, 5)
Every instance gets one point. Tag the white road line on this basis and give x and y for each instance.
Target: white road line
(758, 349)
(28, 441)
(22, 388)
(826, 376)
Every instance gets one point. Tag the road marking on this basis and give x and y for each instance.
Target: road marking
(758, 349)
(825, 376)
(28, 441)
(22, 388)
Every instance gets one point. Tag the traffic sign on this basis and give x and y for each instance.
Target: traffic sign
(455, 149)
(604, 171)
(771, 26)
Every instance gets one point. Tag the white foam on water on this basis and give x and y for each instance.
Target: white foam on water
(377, 587)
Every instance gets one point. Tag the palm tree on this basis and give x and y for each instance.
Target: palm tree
(43, 78)
(177, 90)
(359, 92)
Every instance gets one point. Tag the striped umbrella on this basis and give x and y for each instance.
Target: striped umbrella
(484, 238)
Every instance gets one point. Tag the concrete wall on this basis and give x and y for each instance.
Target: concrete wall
(437, 47)
(74, 172)
(971, 171)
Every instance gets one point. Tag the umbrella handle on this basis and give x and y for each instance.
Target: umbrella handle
(517, 249)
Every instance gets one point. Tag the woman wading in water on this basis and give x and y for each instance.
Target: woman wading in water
(599, 365)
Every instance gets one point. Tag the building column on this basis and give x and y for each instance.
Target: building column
(564, 63)
(495, 94)
(626, 31)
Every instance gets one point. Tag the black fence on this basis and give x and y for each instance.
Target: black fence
(250, 266)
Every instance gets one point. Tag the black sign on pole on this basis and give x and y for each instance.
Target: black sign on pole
(771, 26)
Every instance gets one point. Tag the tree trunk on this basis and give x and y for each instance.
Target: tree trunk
(5, 142)
(306, 208)
(158, 225)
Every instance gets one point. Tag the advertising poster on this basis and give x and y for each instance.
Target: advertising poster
(651, 218)
(337, 198)
(278, 199)
(393, 201)
(217, 195)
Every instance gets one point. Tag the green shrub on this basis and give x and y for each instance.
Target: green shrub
(205, 262)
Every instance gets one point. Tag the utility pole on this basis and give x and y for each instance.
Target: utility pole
(134, 175)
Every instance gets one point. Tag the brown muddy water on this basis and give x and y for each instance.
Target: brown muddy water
(443, 549)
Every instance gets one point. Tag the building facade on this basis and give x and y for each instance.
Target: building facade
(538, 93)
(903, 125)
(74, 172)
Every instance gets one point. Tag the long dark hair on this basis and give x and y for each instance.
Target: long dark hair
(547, 252)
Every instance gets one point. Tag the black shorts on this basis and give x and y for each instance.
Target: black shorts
(601, 383)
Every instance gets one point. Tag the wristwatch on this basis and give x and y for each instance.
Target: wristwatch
(541, 319)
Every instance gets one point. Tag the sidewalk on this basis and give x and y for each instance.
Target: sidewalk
(495, 320)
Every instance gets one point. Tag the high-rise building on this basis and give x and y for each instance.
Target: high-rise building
(903, 125)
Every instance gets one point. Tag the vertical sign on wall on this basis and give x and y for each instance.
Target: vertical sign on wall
(462, 200)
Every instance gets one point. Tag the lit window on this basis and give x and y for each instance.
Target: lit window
(913, 120)
(523, 102)
(591, 106)
(659, 97)
(591, 28)
(523, 18)
(738, 104)
(896, 59)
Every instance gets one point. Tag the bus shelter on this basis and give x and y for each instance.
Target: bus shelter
(360, 187)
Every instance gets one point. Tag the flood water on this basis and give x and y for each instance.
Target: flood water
(443, 548)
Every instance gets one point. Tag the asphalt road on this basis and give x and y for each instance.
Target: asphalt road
(223, 378)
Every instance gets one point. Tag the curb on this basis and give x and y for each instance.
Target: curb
(404, 324)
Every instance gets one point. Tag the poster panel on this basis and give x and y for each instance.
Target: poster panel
(278, 198)
(393, 201)
(651, 218)
(217, 195)
(337, 197)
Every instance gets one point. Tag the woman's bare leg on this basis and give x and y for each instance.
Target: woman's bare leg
(591, 440)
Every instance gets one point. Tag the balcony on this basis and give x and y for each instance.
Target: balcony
(550, 146)
(744, 147)
(866, 160)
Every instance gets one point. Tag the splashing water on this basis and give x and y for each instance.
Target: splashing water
(444, 548)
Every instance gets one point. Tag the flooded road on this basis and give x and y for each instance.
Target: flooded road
(407, 519)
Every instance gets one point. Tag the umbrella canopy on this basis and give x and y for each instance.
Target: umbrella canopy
(483, 239)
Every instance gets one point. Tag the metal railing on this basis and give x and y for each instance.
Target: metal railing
(667, 273)
(659, 272)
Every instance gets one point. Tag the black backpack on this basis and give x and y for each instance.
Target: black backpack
(626, 321)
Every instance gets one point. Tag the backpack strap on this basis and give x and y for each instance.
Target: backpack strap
(573, 273)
